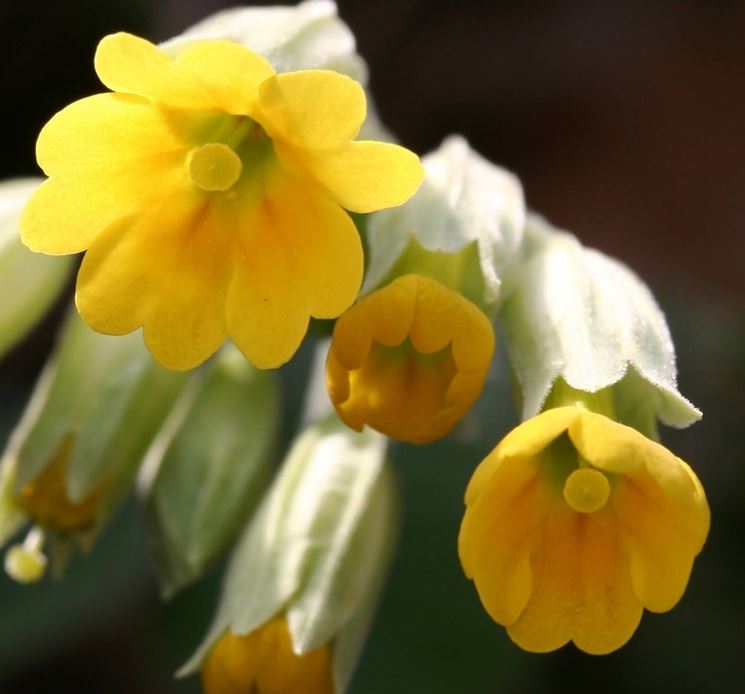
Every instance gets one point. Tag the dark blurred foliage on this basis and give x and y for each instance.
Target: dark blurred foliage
(626, 122)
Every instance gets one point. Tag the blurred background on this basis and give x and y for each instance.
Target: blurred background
(625, 121)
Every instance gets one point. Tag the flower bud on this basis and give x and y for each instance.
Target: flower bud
(462, 227)
(305, 576)
(211, 466)
(573, 314)
(95, 410)
(30, 282)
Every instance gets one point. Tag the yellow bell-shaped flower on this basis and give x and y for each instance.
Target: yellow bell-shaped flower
(409, 360)
(574, 524)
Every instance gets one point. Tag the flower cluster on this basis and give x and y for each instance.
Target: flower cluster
(211, 191)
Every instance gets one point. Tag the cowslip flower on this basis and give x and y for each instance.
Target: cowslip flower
(574, 524)
(210, 196)
(264, 661)
(409, 359)
(295, 606)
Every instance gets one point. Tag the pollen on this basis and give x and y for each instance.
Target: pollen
(214, 167)
(586, 490)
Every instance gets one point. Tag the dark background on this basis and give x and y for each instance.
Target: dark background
(626, 123)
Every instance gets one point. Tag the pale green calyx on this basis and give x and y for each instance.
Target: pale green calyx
(574, 314)
(206, 470)
(307, 36)
(94, 411)
(332, 510)
(466, 219)
(30, 281)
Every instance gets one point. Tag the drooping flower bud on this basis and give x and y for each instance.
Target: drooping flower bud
(94, 412)
(210, 466)
(303, 581)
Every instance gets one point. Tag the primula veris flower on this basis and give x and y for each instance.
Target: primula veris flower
(294, 578)
(574, 523)
(208, 193)
(409, 359)
(264, 661)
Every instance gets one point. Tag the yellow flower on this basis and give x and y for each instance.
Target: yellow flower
(208, 193)
(264, 662)
(573, 524)
(409, 360)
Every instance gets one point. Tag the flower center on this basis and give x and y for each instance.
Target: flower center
(214, 167)
(586, 490)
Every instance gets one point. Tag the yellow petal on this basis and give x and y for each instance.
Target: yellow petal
(663, 538)
(383, 317)
(324, 245)
(399, 396)
(106, 135)
(611, 446)
(496, 536)
(230, 72)
(367, 176)
(66, 214)
(582, 591)
(229, 667)
(526, 440)
(267, 310)
(608, 611)
(129, 64)
(57, 220)
(312, 109)
(443, 317)
(167, 271)
(546, 622)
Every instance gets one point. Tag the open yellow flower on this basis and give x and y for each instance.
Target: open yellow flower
(573, 524)
(208, 193)
(409, 360)
(264, 662)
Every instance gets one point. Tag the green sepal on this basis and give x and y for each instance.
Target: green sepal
(211, 467)
(575, 314)
(31, 282)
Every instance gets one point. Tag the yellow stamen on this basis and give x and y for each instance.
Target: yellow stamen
(586, 490)
(214, 167)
